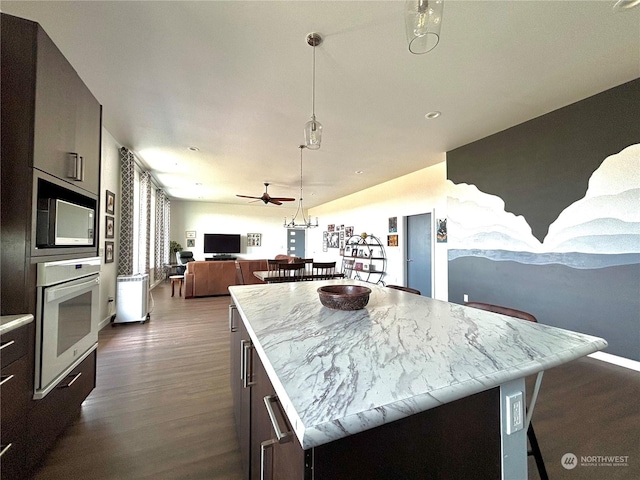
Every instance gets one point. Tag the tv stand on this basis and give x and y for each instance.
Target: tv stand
(217, 258)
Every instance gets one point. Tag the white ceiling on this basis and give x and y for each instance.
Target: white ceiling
(234, 79)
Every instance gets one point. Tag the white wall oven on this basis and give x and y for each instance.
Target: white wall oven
(66, 319)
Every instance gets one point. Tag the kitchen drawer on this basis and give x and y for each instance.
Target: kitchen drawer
(14, 451)
(51, 415)
(14, 345)
(15, 392)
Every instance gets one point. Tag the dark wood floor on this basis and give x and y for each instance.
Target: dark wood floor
(162, 407)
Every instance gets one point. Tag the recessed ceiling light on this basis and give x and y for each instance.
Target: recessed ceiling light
(359, 172)
(198, 184)
(432, 115)
(194, 149)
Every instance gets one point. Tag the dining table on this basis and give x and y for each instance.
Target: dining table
(274, 276)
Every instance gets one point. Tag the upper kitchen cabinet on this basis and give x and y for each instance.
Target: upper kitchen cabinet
(67, 121)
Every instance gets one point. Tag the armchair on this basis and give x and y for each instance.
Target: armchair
(182, 258)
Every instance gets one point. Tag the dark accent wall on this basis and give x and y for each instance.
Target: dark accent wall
(539, 168)
(542, 166)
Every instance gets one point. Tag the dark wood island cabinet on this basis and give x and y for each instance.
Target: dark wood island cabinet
(398, 389)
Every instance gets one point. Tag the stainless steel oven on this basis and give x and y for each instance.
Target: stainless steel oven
(66, 318)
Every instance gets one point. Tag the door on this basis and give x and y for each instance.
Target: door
(419, 240)
(295, 242)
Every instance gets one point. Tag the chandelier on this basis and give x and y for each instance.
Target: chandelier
(294, 222)
(423, 19)
(313, 128)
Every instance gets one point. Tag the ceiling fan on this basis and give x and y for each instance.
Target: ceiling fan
(266, 198)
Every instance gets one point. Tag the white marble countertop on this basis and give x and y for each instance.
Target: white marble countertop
(338, 373)
(11, 322)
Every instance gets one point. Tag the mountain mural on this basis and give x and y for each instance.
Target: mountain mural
(605, 222)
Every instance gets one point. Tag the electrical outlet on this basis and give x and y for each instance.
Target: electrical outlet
(515, 413)
(465, 298)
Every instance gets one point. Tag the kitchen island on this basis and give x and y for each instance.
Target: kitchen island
(431, 375)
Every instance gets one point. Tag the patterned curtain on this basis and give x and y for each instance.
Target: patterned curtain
(144, 230)
(127, 175)
(162, 234)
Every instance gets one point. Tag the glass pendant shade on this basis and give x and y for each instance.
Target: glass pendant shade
(423, 19)
(313, 134)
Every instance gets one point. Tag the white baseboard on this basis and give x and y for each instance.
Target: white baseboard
(103, 323)
(616, 360)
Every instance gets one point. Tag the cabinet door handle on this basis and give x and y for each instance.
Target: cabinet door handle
(263, 453)
(248, 374)
(7, 344)
(232, 310)
(281, 437)
(80, 170)
(5, 449)
(76, 168)
(73, 380)
(5, 379)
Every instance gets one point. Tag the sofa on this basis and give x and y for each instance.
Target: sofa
(288, 258)
(205, 278)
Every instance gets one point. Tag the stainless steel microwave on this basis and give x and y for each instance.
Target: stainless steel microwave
(64, 224)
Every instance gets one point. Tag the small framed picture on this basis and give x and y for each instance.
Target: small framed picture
(110, 204)
(109, 252)
(254, 239)
(393, 224)
(191, 242)
(190, 234)
(392, 240)
(358, 266)
(365, 267)
(109, 227)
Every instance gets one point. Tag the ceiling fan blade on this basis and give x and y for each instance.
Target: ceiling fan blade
(247, 196)
(283, 199)
(275, 201)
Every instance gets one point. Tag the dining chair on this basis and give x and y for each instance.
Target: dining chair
(273, 266)
(531, 434)
(323, 270)
(307, 265)
(290, 272)
(405, 289)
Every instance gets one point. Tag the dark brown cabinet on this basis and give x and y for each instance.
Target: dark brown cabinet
(260, 452)
(15, 390)
(50, 416)
(50, 143)
(51, 132)
(241, 353)
(66, 142)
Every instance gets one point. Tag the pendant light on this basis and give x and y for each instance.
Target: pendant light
(423, 19)
(313, 128)
(294, 222)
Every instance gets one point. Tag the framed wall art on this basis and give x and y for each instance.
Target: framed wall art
(109, 252)
(191, 242)
(254, 239)
(109, 227)
(110, 204)
(393, 224)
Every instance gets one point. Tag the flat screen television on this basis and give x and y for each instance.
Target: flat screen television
(221, 243)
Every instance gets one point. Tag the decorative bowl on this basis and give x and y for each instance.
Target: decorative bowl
(344, 297)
